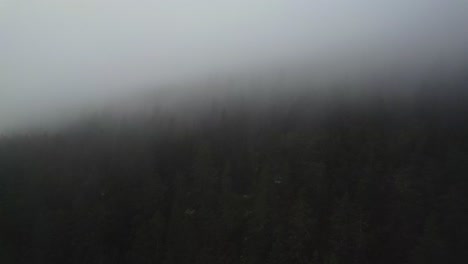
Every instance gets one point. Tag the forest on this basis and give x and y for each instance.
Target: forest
(247, 178)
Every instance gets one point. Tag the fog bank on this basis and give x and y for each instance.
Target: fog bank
(60, 57)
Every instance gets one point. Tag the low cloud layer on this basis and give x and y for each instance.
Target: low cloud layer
(61, 55)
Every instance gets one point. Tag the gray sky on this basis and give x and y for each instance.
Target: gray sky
(57, 56)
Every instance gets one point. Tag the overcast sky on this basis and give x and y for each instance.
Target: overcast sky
(59, 55)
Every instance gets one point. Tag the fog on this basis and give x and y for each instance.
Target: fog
(58, 57)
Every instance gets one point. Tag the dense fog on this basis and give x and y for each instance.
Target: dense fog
(246, 131)
(61, 58)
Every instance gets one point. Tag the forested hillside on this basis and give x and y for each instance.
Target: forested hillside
(302, 179)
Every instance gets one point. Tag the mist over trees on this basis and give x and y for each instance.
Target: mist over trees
(233, 131)
(292, 174)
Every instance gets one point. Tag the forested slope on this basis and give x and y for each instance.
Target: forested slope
(301, 180)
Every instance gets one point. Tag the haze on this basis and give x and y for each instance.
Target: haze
(58, 56)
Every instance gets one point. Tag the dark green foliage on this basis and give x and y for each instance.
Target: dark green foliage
(350, 185)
